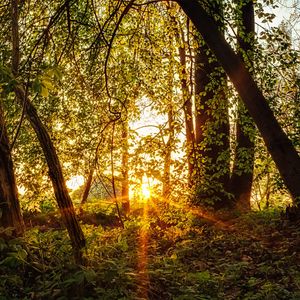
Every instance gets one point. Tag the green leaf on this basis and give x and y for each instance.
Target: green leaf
(21, 255)
(36, 85)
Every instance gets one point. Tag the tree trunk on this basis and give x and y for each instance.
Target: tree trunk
(186, 94)
(87, 187)
(242, 173)
(212, 129)
(125, 168)
(55, 173)
(10, 212)
(188, 114)
(168, 152)
(277, 142)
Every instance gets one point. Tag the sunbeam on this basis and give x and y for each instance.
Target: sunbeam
(143, 276)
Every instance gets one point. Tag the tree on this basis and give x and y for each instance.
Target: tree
(211, 127)
(10, 212)
(183, 46)
(277, 142)
(242, 173)
(125, 167)
(55, 171)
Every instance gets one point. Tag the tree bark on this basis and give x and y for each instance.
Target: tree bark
(280, 147)
(168, 152)
(186, 94)
(56, 176)
(212, 128)
(10, 212)
(125, 168)
(55, 171)
(188, 114)
(87, 187)
(242, 173)
(212, 131)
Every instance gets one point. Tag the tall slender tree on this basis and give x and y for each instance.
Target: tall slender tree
(168, 154)
(125, 167)
(183, 45)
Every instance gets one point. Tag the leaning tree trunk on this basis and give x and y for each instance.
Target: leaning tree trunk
(242, 173)
(10, 212)
(56, 176)
(279, 146)
(55, 171)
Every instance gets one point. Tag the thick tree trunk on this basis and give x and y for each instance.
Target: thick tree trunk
(212, 128)
(10, 212)
(242, 173)
(212, 131)
(277, 142)
(125, 168)
(56, 176)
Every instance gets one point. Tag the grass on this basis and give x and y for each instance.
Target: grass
(175, 255)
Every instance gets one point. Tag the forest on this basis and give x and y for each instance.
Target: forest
(149, 149)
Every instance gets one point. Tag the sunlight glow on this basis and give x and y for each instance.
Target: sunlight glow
(21, 190)
(145, 190)
(143, 275)
(75, 182)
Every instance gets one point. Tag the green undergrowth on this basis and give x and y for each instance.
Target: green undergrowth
(175, 255)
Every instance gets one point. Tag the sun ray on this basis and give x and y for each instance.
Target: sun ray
(143, 276)
(223, 225)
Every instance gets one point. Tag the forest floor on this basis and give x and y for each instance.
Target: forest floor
(171, 255)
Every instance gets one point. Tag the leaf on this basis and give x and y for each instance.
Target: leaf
(10, 261)
(174, 256)
(21, 255)
(36, 85)
(201, 276)
(44, 91)
(47, 83)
